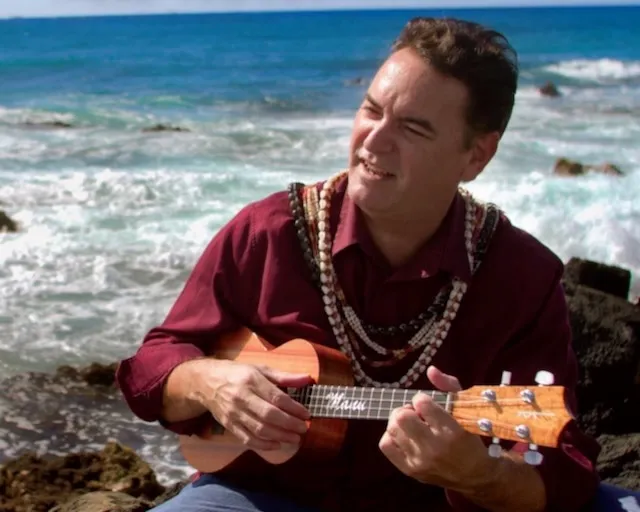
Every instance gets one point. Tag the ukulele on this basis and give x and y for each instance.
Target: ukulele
(534, 415)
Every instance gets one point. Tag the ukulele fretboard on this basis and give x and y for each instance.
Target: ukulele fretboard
(360, 402)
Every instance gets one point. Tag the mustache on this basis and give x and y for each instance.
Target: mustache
(373, 163)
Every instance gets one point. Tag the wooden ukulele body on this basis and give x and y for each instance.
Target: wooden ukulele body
(324, 436)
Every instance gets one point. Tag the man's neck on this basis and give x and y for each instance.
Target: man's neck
(399, 239)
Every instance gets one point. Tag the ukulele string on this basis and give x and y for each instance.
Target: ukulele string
(457, 403)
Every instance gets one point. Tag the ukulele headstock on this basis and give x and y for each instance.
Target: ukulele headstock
(535, 415)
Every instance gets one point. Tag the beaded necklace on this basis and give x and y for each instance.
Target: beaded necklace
(311, 211)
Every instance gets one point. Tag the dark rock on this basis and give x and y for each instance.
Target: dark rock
(7, 224)
(549, 89)
(33, 484)
(605, 278)
(619, 461)
(49, 124)
(355, 81)
(95, 374)
(568, 168)
(607, 168)
(104, 502)
(606, 339)
(164, 128)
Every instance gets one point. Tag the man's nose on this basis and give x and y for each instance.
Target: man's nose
(380, 138)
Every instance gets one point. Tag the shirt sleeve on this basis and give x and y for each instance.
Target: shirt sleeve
(568, 470)
(216, 299)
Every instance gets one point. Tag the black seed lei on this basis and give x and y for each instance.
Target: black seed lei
(433, 311)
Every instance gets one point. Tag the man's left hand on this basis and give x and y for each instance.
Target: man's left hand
(426, 443)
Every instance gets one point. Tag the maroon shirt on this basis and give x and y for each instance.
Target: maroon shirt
(513, 317)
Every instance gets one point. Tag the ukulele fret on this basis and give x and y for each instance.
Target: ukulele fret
(346, 402)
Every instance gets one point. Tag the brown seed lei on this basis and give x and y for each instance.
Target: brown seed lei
(429, 329)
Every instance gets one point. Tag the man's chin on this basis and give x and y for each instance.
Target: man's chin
(367, 198)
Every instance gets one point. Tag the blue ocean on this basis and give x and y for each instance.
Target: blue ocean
(114, 212)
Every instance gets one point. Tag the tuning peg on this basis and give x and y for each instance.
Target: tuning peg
(495, 450)
(544, 378)
(506, 379)
(532, 456)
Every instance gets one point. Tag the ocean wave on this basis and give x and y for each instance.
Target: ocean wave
(593, 217)
(601, 71)
(117, 139)
(139, 111)
(25, 116)
(102, 252)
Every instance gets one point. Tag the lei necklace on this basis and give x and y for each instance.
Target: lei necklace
(311, 211)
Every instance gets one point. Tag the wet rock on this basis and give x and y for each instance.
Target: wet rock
(49, 124)
(549, 89)
(95, 374)
(606, 339)
(570, 168)
(104, 502)
(164, 128)
(566, 167)
(7, 224)
(37, 484)
(609, 279)
(619, 461)
(355, 81)
(607, 168)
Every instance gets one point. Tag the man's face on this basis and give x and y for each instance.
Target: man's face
(408, 151)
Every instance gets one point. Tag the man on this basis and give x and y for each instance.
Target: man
(419, 284)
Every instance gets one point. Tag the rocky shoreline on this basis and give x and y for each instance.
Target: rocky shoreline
(606, 326)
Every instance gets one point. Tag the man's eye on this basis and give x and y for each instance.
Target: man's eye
(416, 131)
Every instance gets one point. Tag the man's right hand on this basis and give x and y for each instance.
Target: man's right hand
(247, 401)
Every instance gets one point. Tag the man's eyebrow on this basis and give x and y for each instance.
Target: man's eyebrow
(423, 123)
(426, 125)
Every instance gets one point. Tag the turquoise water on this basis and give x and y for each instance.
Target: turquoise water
(114, 217)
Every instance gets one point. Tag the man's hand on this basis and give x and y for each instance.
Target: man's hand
(245, 399)
(426, 443)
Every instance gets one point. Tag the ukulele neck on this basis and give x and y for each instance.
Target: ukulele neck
(360, 402)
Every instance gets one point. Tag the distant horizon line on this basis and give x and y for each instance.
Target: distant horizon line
(312, 11)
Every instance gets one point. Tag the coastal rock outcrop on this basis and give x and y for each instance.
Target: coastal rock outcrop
(549, 89)
(48, 124)
(164, 128)
(7, 224)
(96, 374)
(606, 328)
(569, 168)
(38, 484)
(104, 501)
(619, 461)
(606, 339)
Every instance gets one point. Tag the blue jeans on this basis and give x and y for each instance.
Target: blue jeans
(209, 494)
(615, 499)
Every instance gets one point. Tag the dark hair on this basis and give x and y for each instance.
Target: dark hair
(480, 58)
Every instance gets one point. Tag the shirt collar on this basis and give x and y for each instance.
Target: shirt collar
(445, 250)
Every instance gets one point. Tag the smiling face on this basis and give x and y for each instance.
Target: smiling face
(409, 146)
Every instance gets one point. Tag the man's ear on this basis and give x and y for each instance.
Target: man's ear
(483, 148)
